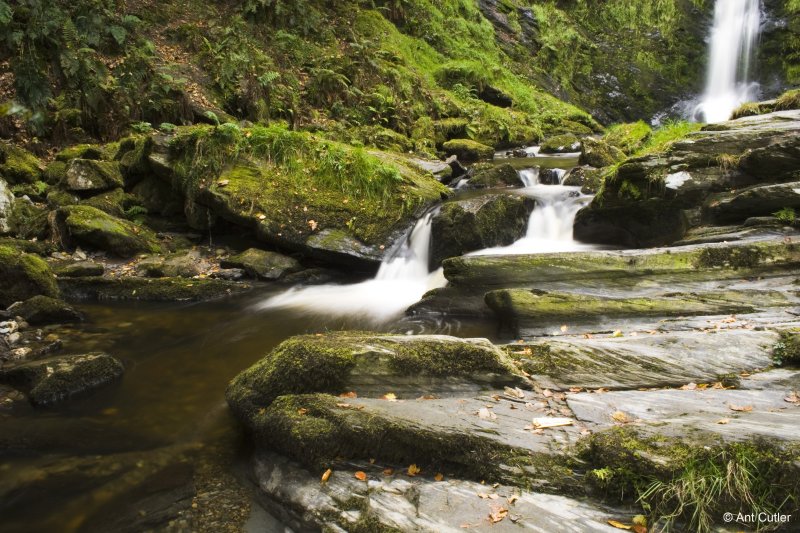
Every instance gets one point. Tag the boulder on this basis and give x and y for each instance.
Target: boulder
(752, 202)
(599, 154)
(115, 202)
(24, 276)
(637, 225)
(561, 144)
(78, 269)
(148, 289)
(468, 151)
(88, 226)
(80, 151)
(57, 379)
(18, 166)
(158, 197)
(587, 178)
(262, 264)
(42, 310)
(185, 265)
(484, 222)
(6, 206)
(503, 175)
(89, 175)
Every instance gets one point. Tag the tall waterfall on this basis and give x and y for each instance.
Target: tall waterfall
(401, 281)
(733, 42)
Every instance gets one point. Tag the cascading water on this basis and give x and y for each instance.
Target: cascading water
(733, 40)
(401, 281)
(550, 223)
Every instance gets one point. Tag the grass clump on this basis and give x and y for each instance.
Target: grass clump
(628, 137)
(788, 100)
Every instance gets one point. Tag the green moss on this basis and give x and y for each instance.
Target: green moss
(28, 221)
(628, 137)
(91, 227)
(24, 275)
(116, 202)
(468, 151)
(55, 173)
(18, 166)
(496, 176)
(787, 350)
(80, 151)
(560, 143)
(743, 257)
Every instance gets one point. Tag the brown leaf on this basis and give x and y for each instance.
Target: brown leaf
(326, 475)
(350, 394)
(547, 393)
(486, 414)
(413, 470)
(361, 476)
(439, 477)
(792, 398)
(639, 528)
(302, 411)
(516, 392)
(513, 499)
(619, 525)
(498, 514)
(388, 472)
(740, 408)
(689, 386)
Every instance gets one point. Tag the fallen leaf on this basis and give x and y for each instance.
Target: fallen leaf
(575, 389)
(723, 421)
(516, 392)
(223, 183)
(689, 386)
(326, 475)
(619, 525)
(413, 470)
(513, 499)
(388, 471)
(486, 414)
(498, 514)
(302, 411)
(740, 408)
(390, 396)
(617, 334)
(792, 398)
(547, 393)
(361, 476)
(551, 422)
(621, 417)
(439, 477)
(483, 495)
(350, 394)
(312, 224)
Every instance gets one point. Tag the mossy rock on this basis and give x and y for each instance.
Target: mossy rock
(589, 179)
(78, 269)
(485, 222)
(468, 151)
(133, 156)
(158, 197)
(339, 362)
(561, 144)
(55, 173)
(654, 222)
(115, 202)
(28, 220)
(503, 175)
(80, 151)
(57, 379)
(88, 175)
(88, 226)
(598, 153)
(18, 166)
(148, 289)
(41, 310)
(24, 276)
(628, 137)
(187, 265)
(262, 264)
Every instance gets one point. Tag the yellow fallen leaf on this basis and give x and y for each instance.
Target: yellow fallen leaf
(513, 499)
(792, 398)
(723, 421)
(361, 476)
(390, 396)
(564, 328)
(621, 417)
(498, 514)
(302, 411)
(413, 470)
(516, 392)
(617, 334)
(439, 477)
(326, 475)
(619, 525)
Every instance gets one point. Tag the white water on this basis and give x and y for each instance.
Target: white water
(550, 223)
(401, 281)
(733, 40)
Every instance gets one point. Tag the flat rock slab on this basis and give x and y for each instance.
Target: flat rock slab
(664, 359)
(731, 414)
(417, 503)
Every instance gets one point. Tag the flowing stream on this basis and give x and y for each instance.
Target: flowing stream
(734, 36)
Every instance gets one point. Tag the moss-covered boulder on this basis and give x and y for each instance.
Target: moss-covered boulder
(28, 220)
(54, 380)
(78, 269)
(589, 179)
(42, 310)
(561, 144)
(88, 226)
(81, 151)
(115, 202)
(369, 364)
(89, 175)
(262, 264)
(18, 166)
(468, 151)
(23, 276)
(503, 175)
(628, 137)
(599, 153)
(178, 265)
(484, 222)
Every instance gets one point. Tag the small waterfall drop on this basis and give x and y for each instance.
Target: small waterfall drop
(401, 281)
(733, 40)
(550, 223)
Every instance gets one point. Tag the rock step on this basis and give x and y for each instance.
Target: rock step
(713, 261)
(655, 360)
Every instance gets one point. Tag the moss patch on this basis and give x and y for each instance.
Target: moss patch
(93, 228)
(24, 275)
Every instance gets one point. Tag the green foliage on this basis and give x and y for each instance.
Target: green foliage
(628, 137)
(663, 137)
(787, 215)
(788, 100)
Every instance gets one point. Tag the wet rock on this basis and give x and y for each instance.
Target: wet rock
(714, 261)
(90, 227)
(6, 206)
(647, 224)
(149, 289)
(79, 269)
(598, 153)
(42, 310)
(262, 264)
(24, 275)
(368, 364)
(229, 274)
(54, 380)
(88, 175)
(468, 225)
(560, 144)
(587, 178)
(751, 202)
(551, 176)
(497, 176)
(468, 151)
(158, 197)
(187, 265)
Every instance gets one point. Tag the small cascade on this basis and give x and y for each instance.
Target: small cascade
(401, 281)
(733, 40)
(550, 223)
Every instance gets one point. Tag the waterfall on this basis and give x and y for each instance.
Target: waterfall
(550, 223)
(733, 40)
(401, 281)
